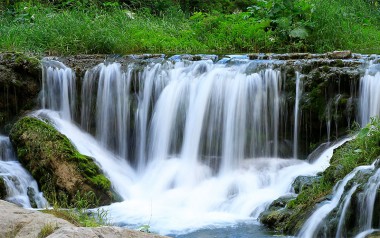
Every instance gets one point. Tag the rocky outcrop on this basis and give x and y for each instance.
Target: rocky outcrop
(21, 223)
(19, 86)
(363, 150)
(59, 169)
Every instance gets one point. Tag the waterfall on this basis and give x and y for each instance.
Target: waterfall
(192, 111)
(311, 226)
(200, 139)
(21, 188)
(58, 88)
(109, 95)
(367, 202)
(369, 95)
(296, 111)
(344, 211)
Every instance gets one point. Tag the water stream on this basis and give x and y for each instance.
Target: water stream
(21, 188)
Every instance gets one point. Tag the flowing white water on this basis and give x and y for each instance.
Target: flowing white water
(100, 85)
(369, 95)
(20, 186)
(367, 202)
(58, 88)
(344, 211)
(296, 111)
(195, 146)
(364, 234)
(311, 226)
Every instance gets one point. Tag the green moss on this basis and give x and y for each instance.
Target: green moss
(52, 159)
(362, 150)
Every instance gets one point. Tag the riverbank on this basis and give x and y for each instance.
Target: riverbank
(19, 222)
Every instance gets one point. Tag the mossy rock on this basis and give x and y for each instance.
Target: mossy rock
(60, 170)
(20, 83)
(273, 219)
(3, 189)
(363, 150)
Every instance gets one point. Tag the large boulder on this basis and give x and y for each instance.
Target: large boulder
(63, 174)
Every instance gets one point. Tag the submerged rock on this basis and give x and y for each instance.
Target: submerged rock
(60, 170)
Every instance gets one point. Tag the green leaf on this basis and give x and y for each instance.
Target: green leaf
(299, 32)
(363, 132)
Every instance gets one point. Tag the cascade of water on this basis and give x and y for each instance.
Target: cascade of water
(151, 76)
(112, 112)
(369, 96)
(58, 88)
(296, 111)
(336, 103)
(312, 225)
(21, 188)
(365, 234)
(367, 202)
(203, 135)
(344, 211)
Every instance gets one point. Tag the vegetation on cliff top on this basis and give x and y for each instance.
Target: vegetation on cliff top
(362, 150)
(60, 170)
(182, 26)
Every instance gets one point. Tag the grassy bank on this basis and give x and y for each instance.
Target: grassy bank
(266, 26)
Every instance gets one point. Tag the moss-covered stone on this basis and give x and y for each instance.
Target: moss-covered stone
(303, 182)
(363, 150)
(19, 83)
(3, 189)
(60, 170)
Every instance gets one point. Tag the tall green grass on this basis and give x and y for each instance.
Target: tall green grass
(345, 24)
(45, 29)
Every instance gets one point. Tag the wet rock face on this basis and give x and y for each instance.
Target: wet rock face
(61, 171)
(303, 182)
(19, 85)
(327, 105)
(328, 102)
(3, 189)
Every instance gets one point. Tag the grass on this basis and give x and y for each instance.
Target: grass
(72, 31)
(47, 230)
(81, 217)
(78, 212)
(45, 29)
(344, 24)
